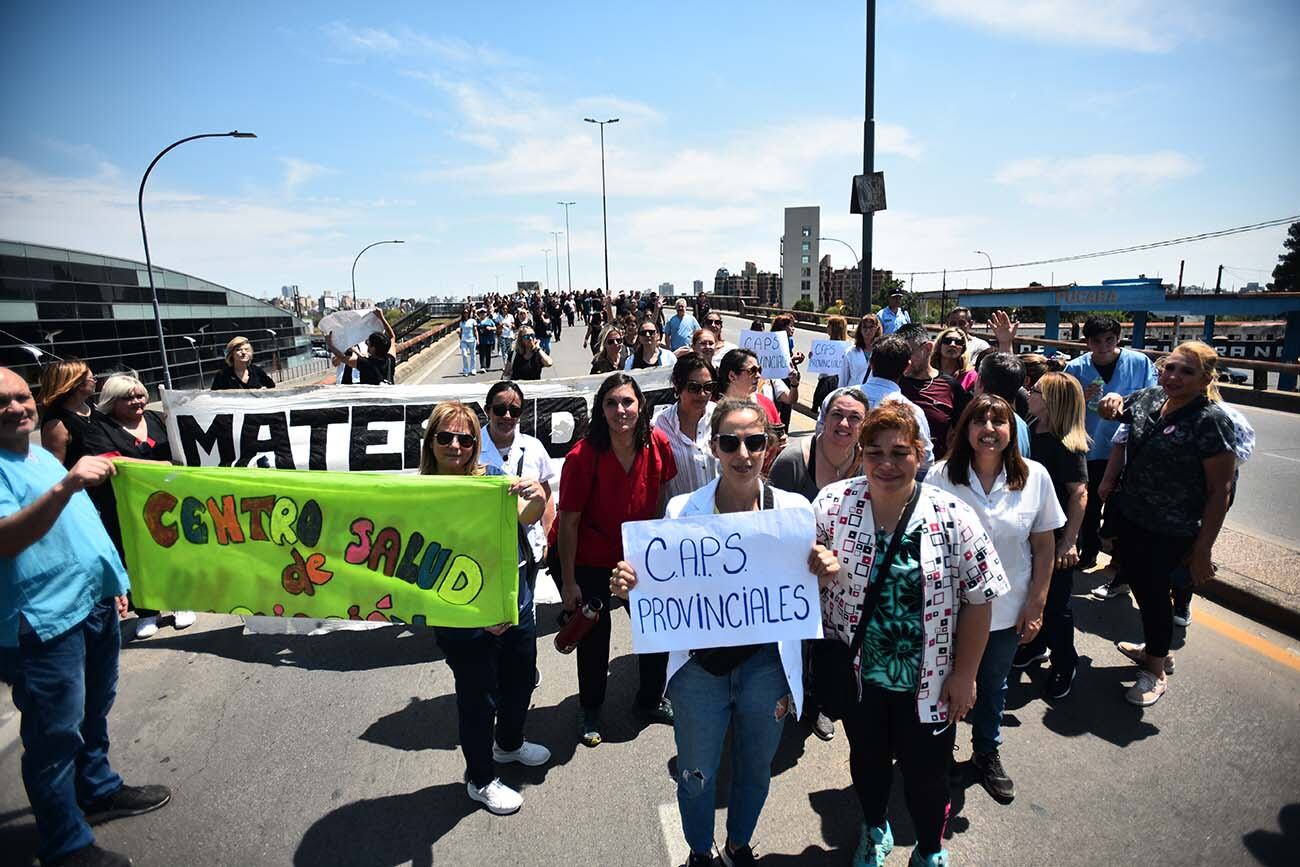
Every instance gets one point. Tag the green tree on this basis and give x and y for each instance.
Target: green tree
(1286, 276)
(886, 287)
(804, 305)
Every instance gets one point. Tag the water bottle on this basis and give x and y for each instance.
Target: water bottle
(1101, 389)
(574, 626)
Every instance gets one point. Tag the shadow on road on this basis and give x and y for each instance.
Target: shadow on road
(1273, 849)
(18, 839)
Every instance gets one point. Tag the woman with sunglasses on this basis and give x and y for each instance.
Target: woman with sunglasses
(610, 357)
(739, 376)
(685, 423)
(749, 689)
(916, 651)
(1168, 504)
(495, 667)
(949, 356)
(713, 322)
(617, 472)
(529, 357)
(1017, 504)
(649, 352)
(857, 361)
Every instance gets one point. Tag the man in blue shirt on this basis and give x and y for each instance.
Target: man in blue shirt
(62, 589)
(680, 327)
(893, 317)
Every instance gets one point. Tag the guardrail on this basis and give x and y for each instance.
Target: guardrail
(423, 340)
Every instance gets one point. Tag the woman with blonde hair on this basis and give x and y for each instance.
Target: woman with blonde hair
(240, 372)
(949, 356)
(609, 347)
(493, 667)
(67, 414)
(1060, 443)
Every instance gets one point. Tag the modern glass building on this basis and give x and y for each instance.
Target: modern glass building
(67, 303)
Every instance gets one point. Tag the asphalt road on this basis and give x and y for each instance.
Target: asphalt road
(342, 750)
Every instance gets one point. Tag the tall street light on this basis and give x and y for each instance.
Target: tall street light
(869, 152)
(568, 256)
(604, 216)
(547, 252)
(557, 235)
(990, 258)
(194, 344)
(354, 267)
(858, 264)
(144, 235)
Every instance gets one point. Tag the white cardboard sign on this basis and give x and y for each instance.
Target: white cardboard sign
(827, 356)
(722, 580)
(772, 349)
(347, 328)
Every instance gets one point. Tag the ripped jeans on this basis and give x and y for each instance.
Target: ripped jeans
(752, 698)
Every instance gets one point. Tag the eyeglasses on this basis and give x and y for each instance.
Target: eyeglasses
(611, 341)
(696, 387)
(444, 438)
(752, 371)
(500, 409)
(526, 336)
(853, 418)
(729, 443)
(649, 333)
(713, 323)
(954, 341)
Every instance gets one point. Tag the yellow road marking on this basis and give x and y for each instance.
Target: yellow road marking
(1287, 657)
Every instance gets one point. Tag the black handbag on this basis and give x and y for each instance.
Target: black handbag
(831, 661)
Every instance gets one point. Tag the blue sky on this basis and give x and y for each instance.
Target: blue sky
(1027, 130)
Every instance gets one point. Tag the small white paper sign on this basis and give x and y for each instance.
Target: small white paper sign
(350, 327)
(772, 349)
(722, 580)
(827, 356)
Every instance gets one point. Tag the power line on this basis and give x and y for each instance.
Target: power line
(1187, 239)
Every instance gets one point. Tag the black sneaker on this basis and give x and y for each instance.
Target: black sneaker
(1086, 562)
(127, 801)
(994, 777)
(823, 726)
(92, 856)
(698, 859)
(1026, 656)
(1059, 681)
(742, 857)
(659, 713)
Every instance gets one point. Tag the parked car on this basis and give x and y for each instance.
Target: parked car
(1233, 375)
(320, 352)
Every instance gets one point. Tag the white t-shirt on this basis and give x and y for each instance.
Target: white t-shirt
(536, 464)
(1009, 517)
(506, 326)
(665, 358)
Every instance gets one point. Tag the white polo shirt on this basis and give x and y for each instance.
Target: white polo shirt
(526, 458)
(1009, 517)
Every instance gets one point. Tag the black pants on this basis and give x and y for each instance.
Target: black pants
(1146, 562)
(485, 351)
(1090, 531)
(494, 675)
(1057, 633)
(882, 727)
(593, 651)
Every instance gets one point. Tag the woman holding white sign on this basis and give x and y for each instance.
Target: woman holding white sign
(494, 667)
(914, 622)
(750, 687)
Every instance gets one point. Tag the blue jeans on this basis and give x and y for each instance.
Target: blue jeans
(991, 690)
(507, 348)
(704, 706)
(467, 359)
(64, 688)
(545, 343)
(494, 675)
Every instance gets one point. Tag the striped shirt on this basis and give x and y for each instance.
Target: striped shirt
(696, 465)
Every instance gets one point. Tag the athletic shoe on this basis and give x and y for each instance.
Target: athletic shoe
(146, 626)
(742, 857)
(537, 677)
(91, 856)
(1110, 591)
(1027, 656)
(127, 801)
(1183, 615)
(938, 859)
(1138, 653)
(823, 726)
(183, 619)
(874, 844)
(589, 728)
(497, 797)
(1147, 690)
(1086, 562)
(700, 859)
(993, 777)
(660, 713)
(1059, 681)
(528, 754)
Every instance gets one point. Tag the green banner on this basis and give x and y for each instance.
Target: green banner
(435, 550)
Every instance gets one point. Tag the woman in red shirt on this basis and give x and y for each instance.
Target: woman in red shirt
(616, 473)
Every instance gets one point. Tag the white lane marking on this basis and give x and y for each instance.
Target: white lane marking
(1281, 457)
(674, 842)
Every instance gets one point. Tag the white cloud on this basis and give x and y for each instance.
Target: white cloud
(1150, 26)
(298, 172)
(406, 42)
(1080, 181)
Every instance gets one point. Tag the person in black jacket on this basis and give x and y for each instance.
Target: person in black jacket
(240, 371)
(379, 365)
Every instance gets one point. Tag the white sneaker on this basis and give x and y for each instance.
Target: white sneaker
(1183, 616)
(497, 797)
(1110, 591)
(1147, 690)
(183, 619)
(528, 754)
(145, 626)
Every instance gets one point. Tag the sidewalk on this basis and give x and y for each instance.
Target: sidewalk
(1259, 578)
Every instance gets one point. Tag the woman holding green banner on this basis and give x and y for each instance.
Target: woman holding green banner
(493, 667)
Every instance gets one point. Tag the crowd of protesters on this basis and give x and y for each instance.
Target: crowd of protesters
(957, 487)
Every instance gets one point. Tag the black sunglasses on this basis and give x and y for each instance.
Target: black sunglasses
(712, 322)
(500, 409)
(955, 341)
(753, 443)
(444, 438)
(649, 333)
(696, 387)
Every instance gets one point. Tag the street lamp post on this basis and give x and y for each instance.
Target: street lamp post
(354, 267)
(144, 235)
(568, 255)
(547, 254)
(857, 262)
(604, 216)
(194, 344)
(990, 258)
(557, 235)
(869, 151)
